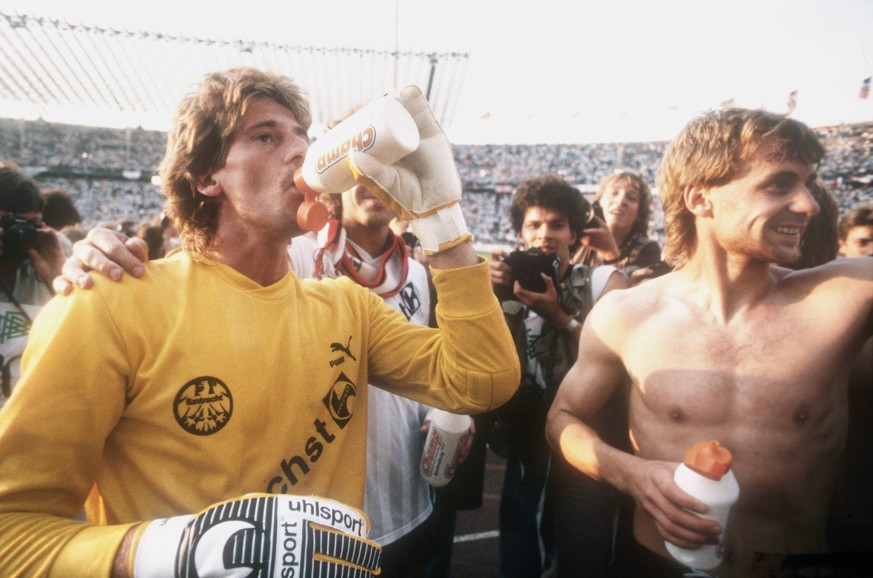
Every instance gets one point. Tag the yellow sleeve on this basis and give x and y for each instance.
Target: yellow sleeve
(45, 545)
(71, 392)
(468, 365)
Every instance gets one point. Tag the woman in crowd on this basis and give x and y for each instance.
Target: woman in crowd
(627, 205)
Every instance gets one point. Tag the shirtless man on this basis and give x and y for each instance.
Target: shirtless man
(726, 348)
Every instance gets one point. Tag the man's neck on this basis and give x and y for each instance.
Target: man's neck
(373, 240)
(727, 283)
(264, 262)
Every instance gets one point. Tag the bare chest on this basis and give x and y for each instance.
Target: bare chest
(770, 372)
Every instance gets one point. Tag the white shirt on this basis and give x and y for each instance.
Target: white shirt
(396, 498)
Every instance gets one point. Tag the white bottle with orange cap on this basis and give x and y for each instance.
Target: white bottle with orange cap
(439, 460)
(707, 476)
(383, 129)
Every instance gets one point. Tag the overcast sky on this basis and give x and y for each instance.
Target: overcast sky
(565, 70)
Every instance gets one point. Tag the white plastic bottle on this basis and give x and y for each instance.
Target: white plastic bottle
(383, 129)
(440, 456)
(707, 476)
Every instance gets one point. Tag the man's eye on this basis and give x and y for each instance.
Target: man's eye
(264, 138)
(778, 190)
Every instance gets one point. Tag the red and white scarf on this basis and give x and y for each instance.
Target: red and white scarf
(336, 255)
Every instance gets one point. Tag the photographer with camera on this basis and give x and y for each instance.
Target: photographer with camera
(621, 233)
(544, 299)
(30, 258)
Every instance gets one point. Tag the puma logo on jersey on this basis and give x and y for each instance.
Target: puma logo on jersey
(339, 347)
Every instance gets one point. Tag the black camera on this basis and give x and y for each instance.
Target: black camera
(527, 265)
(19, 235)
(589, 211)
(660, 268)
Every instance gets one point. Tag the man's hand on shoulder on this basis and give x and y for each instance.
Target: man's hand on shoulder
(105, 251)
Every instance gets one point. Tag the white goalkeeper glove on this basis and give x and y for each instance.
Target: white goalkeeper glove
(260, 535)
(423, 187)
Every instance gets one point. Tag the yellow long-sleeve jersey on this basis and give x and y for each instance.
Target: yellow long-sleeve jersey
(159, 397)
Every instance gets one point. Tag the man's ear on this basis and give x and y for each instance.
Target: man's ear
(207, 186)
(697, 201)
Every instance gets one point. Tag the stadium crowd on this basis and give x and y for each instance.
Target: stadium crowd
(108, 171)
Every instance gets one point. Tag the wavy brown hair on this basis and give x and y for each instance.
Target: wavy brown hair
(641, 223)
(198, 142)
(711, 151)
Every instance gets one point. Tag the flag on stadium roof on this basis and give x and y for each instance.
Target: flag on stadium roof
(792, 101)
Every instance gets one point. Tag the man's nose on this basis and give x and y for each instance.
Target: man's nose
(296, 149)
(805, 203)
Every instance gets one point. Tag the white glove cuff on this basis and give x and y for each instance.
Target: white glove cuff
(159, 538)
(441, 230)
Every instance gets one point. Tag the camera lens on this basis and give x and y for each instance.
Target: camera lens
(19, 235)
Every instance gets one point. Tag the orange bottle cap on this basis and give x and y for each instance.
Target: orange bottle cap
(312, 215)
(709, 459)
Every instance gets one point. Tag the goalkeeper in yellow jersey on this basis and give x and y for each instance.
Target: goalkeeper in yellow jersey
(212, 417)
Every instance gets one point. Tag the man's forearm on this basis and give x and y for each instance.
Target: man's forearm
(584, 450)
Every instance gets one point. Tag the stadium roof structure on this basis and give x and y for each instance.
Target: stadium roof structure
(77, 74)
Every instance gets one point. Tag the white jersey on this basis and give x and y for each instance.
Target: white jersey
(14, 326)
(15, 321)
(396, 498)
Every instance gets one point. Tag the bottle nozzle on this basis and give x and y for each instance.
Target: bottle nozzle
(312, 215)
(709, 459)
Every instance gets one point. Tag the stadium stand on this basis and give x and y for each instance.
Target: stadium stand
(52, 69)
(109, 171)
(49, 68)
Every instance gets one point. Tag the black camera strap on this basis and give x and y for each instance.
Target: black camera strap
(548, 377)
